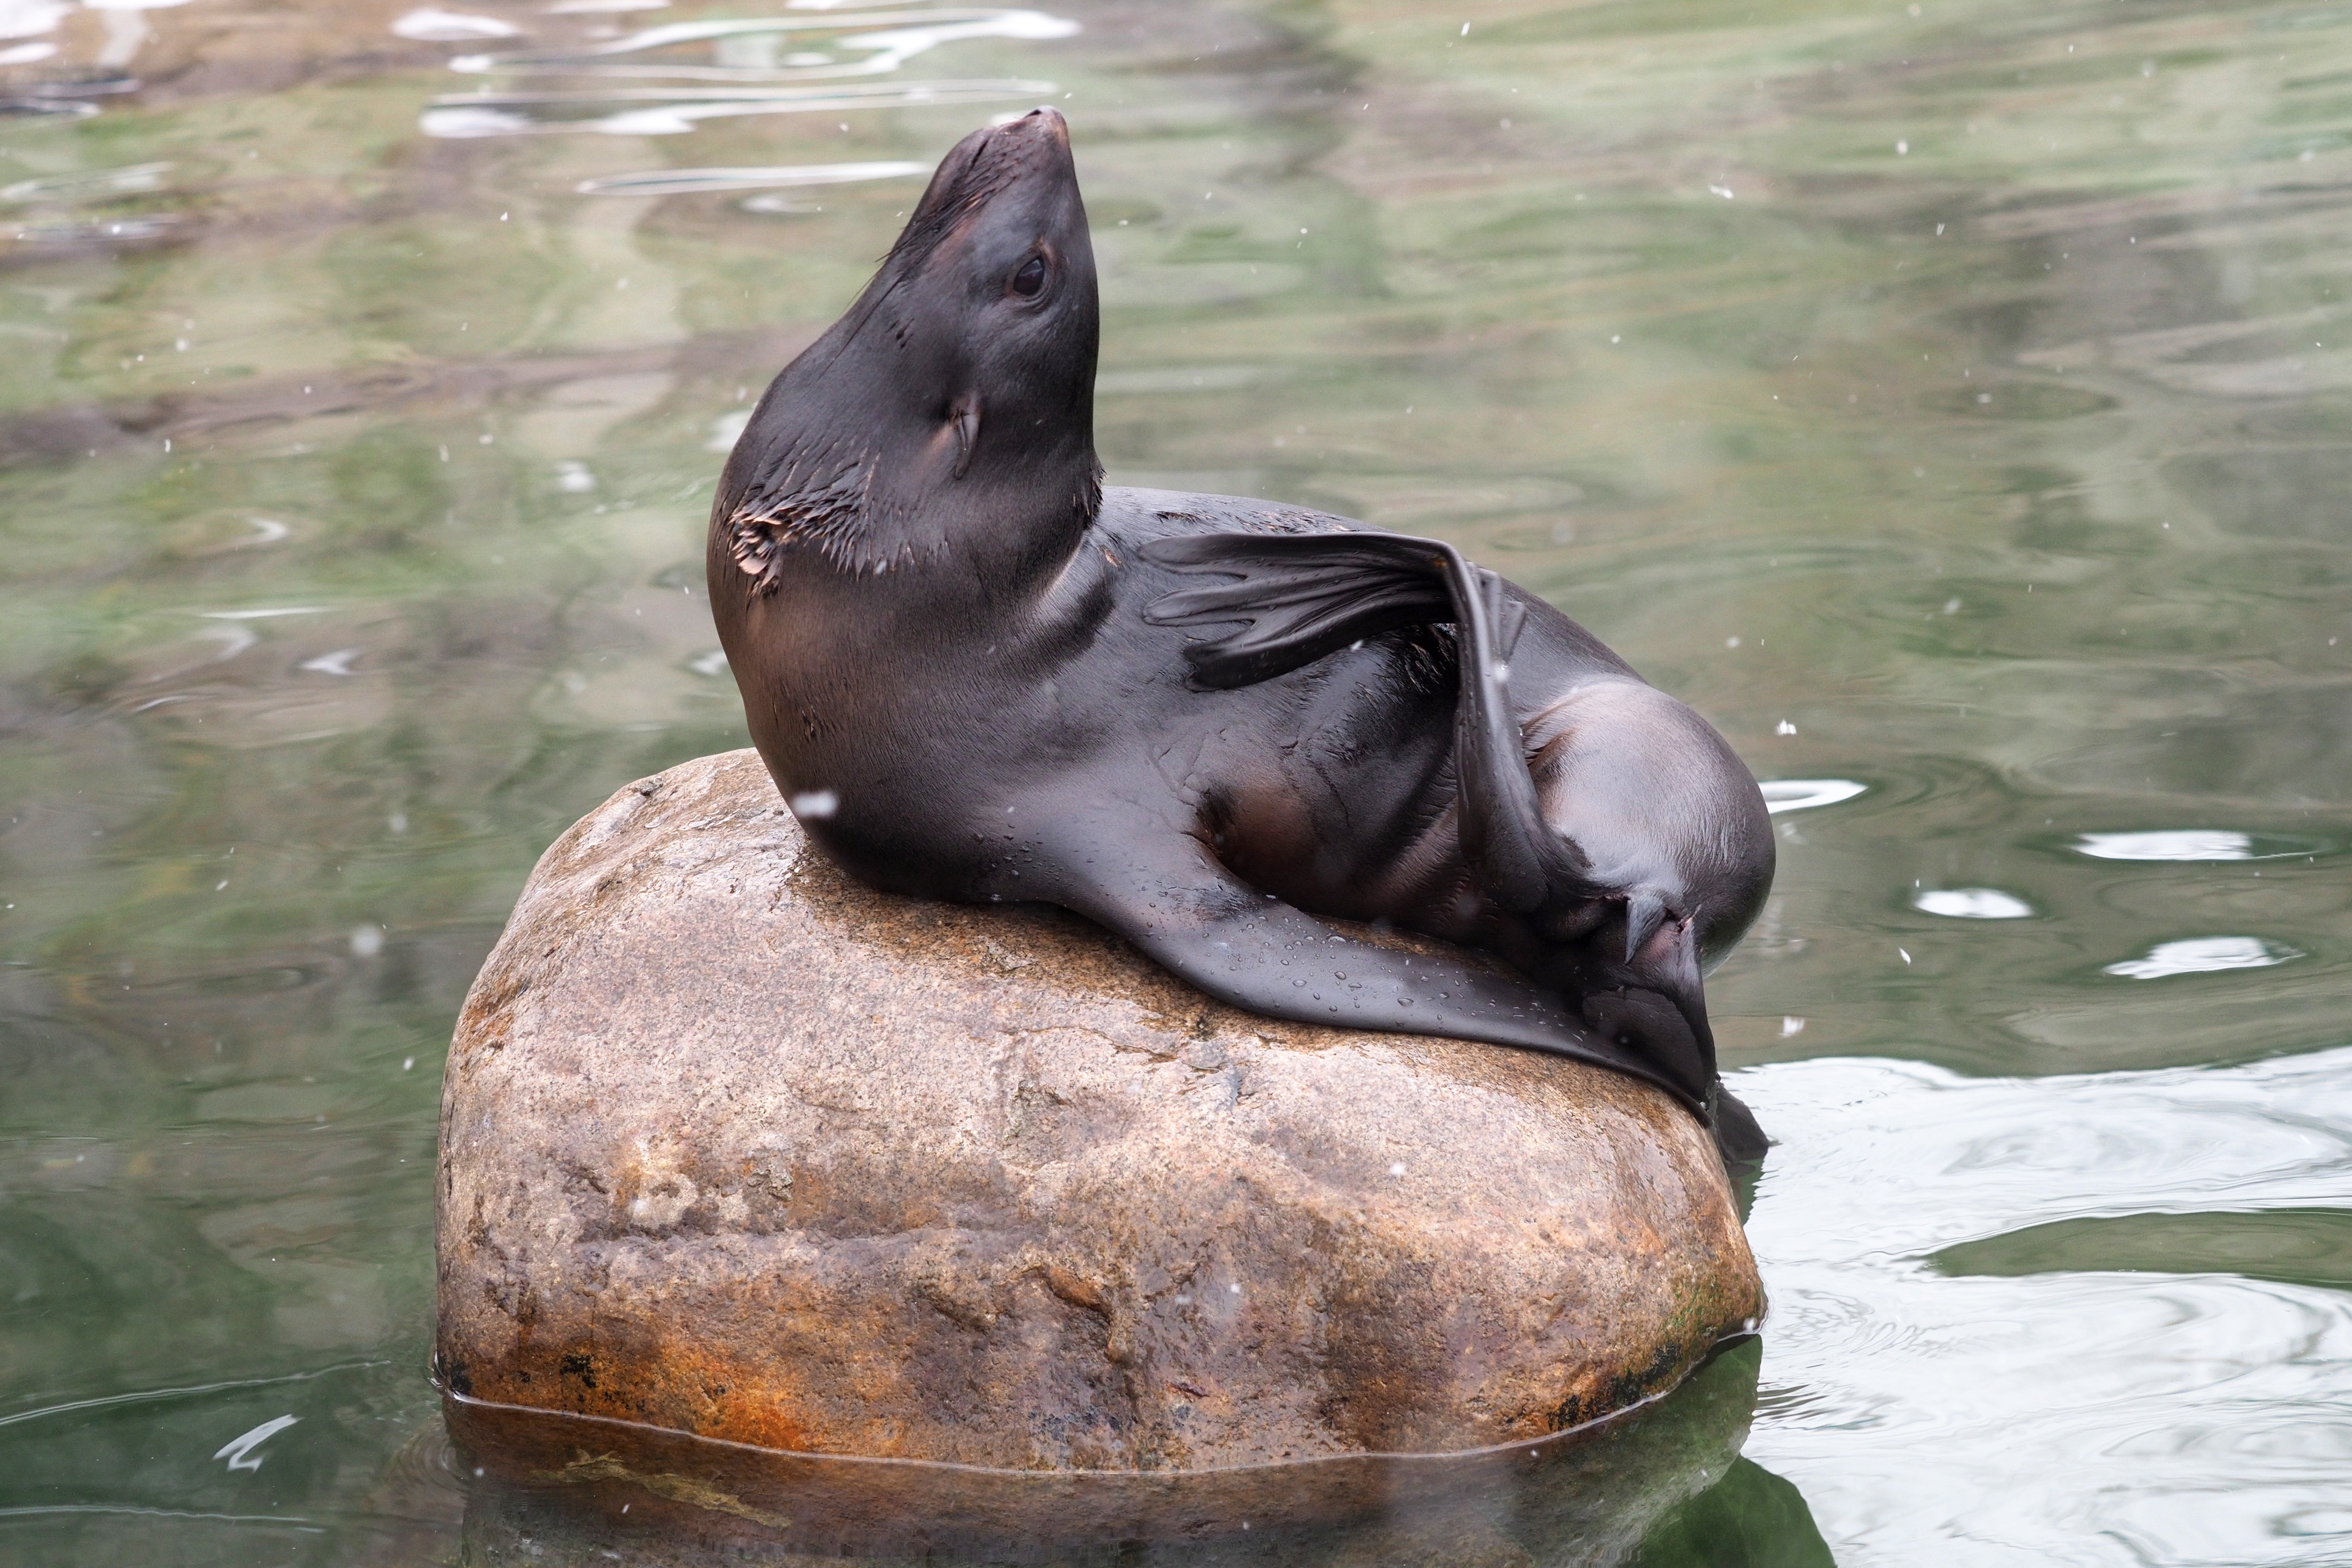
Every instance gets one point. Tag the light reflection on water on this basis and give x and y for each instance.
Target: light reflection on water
(1976, 467)
(2064, 1406)
(743, 52)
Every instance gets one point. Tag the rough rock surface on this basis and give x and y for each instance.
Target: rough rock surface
(733, 1146)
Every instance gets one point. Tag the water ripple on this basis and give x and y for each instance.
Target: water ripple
(889, 40)
(675, 112)
(1971, 904)
(1804, 794)
(689, 182)
(2068, 1411)
(2196, 844)
(437, 27)
(2203, 956)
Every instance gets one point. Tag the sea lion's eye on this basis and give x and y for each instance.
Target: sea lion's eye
(1030, 278)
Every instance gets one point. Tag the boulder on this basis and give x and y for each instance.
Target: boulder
(734, 1147)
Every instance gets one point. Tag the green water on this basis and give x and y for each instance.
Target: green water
(1953, 400)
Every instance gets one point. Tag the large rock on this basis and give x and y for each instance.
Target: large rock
(734, 1147)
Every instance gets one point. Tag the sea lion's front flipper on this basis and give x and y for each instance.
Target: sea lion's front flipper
(1301, 595)
(1305, 596)
(1655, 1004)
(1165, 893)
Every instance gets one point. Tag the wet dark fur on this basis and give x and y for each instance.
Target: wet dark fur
(977, 675)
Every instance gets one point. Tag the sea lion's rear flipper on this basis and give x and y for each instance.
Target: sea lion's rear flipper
(1165, 893)
(1737, 1132)
(1301, 595)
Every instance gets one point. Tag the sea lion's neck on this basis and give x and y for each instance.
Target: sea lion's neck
(830, 478)
(843, 508)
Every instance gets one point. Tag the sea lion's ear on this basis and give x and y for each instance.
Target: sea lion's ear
(965, 420)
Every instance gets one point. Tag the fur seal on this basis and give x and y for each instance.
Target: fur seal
(977, 675)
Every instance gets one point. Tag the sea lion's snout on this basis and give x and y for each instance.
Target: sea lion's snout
(999, 309)
(1031, 157)
(1044, 120)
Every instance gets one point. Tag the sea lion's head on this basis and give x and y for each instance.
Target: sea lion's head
(950, 412)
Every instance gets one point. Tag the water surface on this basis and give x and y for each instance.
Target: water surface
(1950, 400)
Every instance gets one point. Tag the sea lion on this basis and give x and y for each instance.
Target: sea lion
(977, 675)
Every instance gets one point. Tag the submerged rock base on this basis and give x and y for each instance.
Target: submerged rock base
(734, 1147)
(1660, 1484)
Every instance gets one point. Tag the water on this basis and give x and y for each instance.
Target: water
(1950, 401)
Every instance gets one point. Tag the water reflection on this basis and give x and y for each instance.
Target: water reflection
(134, 179)
(2202, 955)
(1804, 794)
(1971, 904)
(432, 25)
(1953, 1285)
(743, 52)
(2200, 844)
(684, 182)
(672, 112)
(2190, 843)
(1663, 1486)
(746, 49)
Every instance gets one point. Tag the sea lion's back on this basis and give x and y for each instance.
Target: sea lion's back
(1138, 515)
